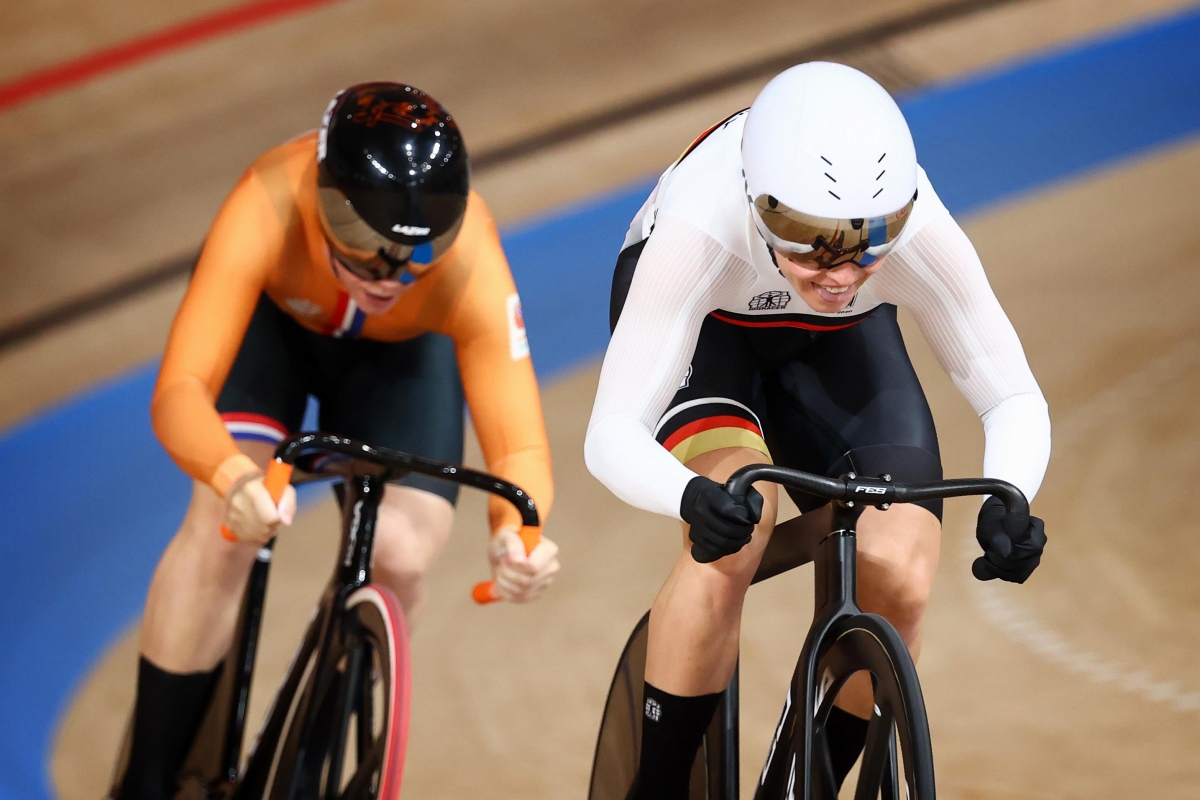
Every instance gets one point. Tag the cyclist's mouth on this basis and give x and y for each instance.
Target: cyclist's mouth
(381, 295)
(834, 294)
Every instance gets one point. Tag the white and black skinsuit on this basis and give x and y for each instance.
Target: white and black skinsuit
(825, 392)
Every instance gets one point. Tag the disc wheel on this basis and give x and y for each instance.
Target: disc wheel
(898, 751)
(358, 701)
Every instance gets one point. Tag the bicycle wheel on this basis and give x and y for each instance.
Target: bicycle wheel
(345, 736)
(618, 745)
(869, 642)
(615, 762)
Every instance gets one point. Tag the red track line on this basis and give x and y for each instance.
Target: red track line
(79, 70)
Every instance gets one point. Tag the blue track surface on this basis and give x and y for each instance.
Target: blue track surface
(88, 498)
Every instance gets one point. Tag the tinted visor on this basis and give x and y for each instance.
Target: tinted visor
(369, 254)
(829, 242)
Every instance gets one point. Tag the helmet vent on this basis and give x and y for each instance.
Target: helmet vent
(881, 158)
(827, 175)
(880, 175)
(877, 193)
(831, 192)
(827, 161)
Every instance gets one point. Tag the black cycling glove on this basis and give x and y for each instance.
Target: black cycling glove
(1010, 558)
(721, 523)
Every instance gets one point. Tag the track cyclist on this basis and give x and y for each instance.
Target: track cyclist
(754, 313)
(352, 264)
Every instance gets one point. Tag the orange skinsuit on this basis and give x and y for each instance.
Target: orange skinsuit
(267, 237)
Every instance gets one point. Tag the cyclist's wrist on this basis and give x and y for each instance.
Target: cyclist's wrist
(497, 530)
(233, 473)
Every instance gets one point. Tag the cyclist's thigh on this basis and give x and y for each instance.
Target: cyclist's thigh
(716, 405)
(264, 396)
(261, 401)
(403, 395)
(851, 401)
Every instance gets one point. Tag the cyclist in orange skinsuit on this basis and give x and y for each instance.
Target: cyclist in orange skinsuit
(267, 239)
(301, 290)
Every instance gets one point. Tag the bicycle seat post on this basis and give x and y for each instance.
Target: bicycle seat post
(360, 511)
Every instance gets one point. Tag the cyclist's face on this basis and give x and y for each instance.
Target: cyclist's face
(824, 290)
(373, 297)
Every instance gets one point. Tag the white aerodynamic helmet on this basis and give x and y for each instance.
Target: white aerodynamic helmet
(830, 167)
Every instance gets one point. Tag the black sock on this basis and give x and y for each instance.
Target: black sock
(672, 729)
(166, 715)
(846, 735)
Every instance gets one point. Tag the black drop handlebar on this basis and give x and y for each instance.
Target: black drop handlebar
(325, 455)
(880, 492)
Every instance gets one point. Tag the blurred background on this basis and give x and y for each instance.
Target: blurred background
(1063, 134)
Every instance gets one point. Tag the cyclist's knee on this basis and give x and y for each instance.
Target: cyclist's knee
(898, 558)
(202, 523)
(412, 531)
(718, 465)
(904, 607)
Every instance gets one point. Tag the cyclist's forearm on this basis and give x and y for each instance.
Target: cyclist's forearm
(186, 422)
(623, 455)
(528, 468)
(506, 408)
(1017, 448)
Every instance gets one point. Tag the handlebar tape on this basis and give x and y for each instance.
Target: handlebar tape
(485, 591)
(278, 476)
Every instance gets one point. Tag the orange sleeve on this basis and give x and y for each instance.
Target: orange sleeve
(242, 245)
(497, 373)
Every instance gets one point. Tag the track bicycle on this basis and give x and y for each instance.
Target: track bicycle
(338, 726)
(841, 641)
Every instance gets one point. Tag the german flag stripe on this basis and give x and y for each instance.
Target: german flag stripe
(718, 439)
(708, 424)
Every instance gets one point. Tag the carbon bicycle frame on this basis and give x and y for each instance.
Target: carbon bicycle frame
(835, 558)
(364, 471)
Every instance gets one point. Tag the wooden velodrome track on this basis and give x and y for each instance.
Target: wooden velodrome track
(1079, 684)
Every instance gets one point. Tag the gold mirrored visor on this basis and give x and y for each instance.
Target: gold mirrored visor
(829, 242)
(367, 253)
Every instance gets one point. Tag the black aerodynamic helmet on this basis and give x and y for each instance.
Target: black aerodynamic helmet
(392, 178)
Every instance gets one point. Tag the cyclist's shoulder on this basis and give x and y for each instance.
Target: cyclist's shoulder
(274, 184)
(478, 219)
(470, 279)
(926, 209)
(264, 228)
(707, 176)
(477, 248)
(704, 191)
(291, 158)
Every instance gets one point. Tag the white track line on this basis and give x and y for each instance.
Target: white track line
(1056, 649)
(1051, 645)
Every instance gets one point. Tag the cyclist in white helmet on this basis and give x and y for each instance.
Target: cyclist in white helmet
(754, 315)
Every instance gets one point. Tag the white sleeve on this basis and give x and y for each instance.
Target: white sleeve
(938, 276)
(682, 275)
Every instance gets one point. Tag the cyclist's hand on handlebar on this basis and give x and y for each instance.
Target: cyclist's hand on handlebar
(252, 516)
(721, 524)
(517, 577)
(1006, 557)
